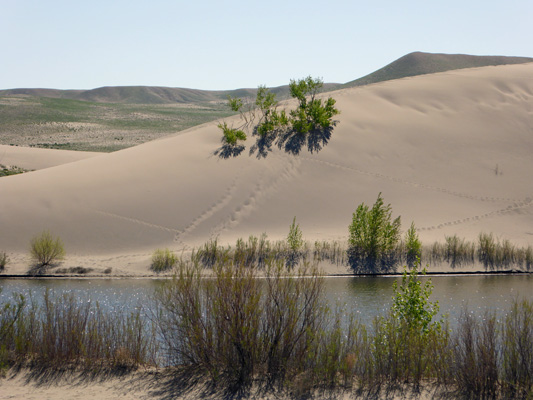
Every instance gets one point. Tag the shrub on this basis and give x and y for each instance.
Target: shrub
(295, 244)
(311, 114)
(231, 135)
(235, 326)
(163, 260)
(413, 246)
(46, 250)
(4, 259)
(373, 238)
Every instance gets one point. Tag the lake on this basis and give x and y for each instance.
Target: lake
(367, 296)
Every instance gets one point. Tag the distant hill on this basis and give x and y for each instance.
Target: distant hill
(412, 64)
(419, 63)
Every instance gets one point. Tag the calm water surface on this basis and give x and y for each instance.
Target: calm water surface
(367, 296)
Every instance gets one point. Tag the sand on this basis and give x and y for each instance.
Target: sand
(450, 151)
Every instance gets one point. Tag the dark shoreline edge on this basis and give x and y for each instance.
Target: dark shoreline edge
(389, 274)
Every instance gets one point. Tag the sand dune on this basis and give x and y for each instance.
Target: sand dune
(32, 158)
(450, 151)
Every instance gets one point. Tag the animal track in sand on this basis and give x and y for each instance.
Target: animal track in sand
(517, 206)
(136, 221)
(263, 188)
(216, 206)
(410, 183)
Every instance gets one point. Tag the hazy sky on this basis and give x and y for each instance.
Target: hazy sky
(200, 44)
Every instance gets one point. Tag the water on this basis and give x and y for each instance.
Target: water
(366, 296)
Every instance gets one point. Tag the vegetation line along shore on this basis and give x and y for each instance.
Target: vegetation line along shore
(236, 332)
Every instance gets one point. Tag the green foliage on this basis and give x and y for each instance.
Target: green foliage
(311, 113)
(231, 135)
(411, 302)
(373, 237)
(311, 122)
(235, 103)
(295, 243)
(45, 249)
(413, 246)
(4, 259)
(294, 238)
(13, 170)
(163, 260)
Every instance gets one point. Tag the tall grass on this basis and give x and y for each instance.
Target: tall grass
(488, 252)
(240, 330)
(61, 331)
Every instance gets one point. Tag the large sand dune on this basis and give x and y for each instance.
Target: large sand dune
(452, 152)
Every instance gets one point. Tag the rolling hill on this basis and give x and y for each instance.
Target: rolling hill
(419, 63)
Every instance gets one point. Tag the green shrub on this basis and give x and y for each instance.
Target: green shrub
(231, 135)
(4, 259)
(311, 114)
(163, 260)
(295, 244)
(373, 238)
(413, 246)
(46, 250)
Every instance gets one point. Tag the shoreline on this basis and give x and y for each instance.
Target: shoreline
(330, 275)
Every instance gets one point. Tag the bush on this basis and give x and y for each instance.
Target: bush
(46, 250)
(311, 122)
(311, 114)
(373, 238)
(163, 260)
(235, 327)
(295, 244)
(4, 259)
(413, 246)
(231, 135)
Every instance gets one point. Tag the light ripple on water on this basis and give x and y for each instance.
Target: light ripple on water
(365, 296)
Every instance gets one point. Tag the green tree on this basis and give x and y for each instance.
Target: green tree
(373, 237)
(411, 303)
(312, 114)
(413, 246)
(271, 119)
(295, 244)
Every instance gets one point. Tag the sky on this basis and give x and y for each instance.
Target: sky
(218, 45)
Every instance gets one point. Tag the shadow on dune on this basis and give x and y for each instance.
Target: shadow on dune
(227, 151)
(291, 142)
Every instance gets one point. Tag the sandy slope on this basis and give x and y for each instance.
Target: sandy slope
(32, 158)
(450, 151)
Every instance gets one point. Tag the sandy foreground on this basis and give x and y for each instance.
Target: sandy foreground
(146, 385)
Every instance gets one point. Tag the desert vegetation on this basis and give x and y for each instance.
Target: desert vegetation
(45, 250)
(276, 333)
(163, 260)
(309, 125)
(4, 259)
(10, 170)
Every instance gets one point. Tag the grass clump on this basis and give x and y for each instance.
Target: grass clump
(46, 250)
(163, 260)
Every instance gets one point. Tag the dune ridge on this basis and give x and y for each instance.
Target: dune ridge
(450, 151)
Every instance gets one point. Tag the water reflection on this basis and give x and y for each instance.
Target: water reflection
(366, 296)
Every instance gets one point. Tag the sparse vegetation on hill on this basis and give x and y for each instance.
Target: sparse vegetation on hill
(310, 124)
(11, 170)
(89, 126)
(419, 63)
